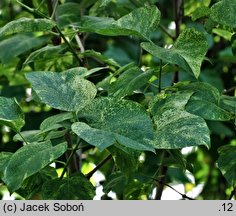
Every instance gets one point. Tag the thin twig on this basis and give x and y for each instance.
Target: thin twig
(54, 9)
(162, 172)
(166, 32)
(159, 77)
(69, 160)
(22, 137)
(178, 13)
(184, 196)
(79, 42)
(56, 27)
(90, 174)
(226, 91)
(232, 193)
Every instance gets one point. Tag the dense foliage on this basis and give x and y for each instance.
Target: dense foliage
(141, 91)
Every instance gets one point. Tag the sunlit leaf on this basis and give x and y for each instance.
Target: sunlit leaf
(26, 25)
(223, 12)
(205, 101)
(65, 91)
(200, 12)
(28, 160)
(140, 22)
(11, 114)
(188, 51)
(129, 81)
(175, 127)
(110, 121)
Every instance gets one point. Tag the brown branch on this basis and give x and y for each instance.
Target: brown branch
(90, 174)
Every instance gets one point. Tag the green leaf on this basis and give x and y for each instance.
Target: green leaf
(200, 12)
(65, 91)
(26, 25)
(99, 6)
(45, 53)
(233, 44)
(4, 159)
(84, 72)
(68, 13)
(140, 22)
(29, 136)
(55, 119)
(188, 51)
(228, 103)
(175, 127)
(129, 81)
(32, 186)
(202, 90)
(100, 57)
(127, 160)
(191, 5)
(116, 182)
(205, 101)
(227, 163)
(110, 121)
(11, 114)
(208, 110)
(222, 33)
(96, 137)
(223, 12)
(74, 188)
(28, 160)
(19, 44)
